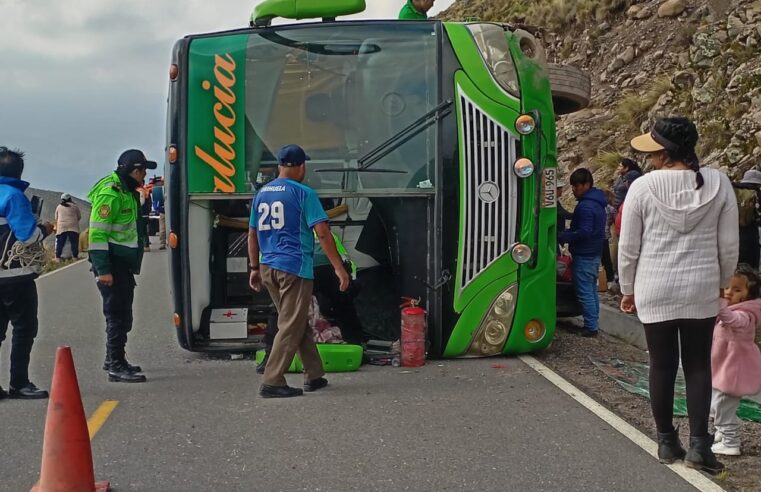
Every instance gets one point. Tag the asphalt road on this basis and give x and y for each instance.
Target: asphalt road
(198, 425)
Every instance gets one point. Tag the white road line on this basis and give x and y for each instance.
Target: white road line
(693, 477)
(62, 268)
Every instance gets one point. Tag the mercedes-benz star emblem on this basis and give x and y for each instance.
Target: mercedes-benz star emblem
(488, 192)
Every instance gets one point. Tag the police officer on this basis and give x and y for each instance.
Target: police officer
(116, 252)
(281, 213)
(19, 233)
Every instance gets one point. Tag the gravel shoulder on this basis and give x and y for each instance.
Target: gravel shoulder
(569, 356)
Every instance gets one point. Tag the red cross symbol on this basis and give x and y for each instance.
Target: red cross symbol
(229, 314)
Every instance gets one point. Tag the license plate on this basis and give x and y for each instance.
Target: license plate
(550, 188)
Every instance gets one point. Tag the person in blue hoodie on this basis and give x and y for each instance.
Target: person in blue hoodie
(585, 238)
(21, 235)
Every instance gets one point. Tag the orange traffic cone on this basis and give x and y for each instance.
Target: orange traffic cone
(66, 453)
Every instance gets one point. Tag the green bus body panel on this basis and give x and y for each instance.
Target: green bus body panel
(307, 9)
(537, 291)
(473, 314)
(216, 115)
(472, 63)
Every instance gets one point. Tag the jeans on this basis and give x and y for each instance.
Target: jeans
(18, 305)
(585, 282)
(60, 243)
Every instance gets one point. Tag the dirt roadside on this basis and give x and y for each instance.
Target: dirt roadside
(569, 356)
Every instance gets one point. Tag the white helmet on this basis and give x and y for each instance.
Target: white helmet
(65, 196)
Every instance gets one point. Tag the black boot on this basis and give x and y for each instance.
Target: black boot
(700, 456)
(120, 373)
(669, 447)
(130, 367)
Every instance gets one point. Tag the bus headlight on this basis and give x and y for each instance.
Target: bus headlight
(492, 334)
(525, 124)
(495, 333)
(521, 253)
(534, 330)
(523, 168)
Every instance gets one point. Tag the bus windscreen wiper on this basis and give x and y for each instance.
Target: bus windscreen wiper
(405, 135)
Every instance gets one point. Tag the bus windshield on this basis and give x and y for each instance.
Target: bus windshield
(341, 94)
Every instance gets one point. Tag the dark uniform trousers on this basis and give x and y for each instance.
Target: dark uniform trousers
(117, 308)
(292, 296)
(18, 305)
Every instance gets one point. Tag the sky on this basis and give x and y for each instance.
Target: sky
(83, 80)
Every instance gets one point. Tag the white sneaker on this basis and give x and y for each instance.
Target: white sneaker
(720, 448)
(718, 437)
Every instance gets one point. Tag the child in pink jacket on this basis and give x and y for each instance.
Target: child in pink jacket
(735, 357)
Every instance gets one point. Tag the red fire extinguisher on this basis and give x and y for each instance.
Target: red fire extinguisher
(414, 329)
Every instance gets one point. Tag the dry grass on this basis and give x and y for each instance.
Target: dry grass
(713, 135)
(608, 159)
(547, 13)
(634, 106)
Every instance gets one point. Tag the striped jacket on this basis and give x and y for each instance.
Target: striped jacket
(17, 224)
(115, 232)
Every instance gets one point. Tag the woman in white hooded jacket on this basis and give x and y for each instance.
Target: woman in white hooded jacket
(678, 248)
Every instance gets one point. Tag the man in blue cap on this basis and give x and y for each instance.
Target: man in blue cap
(283, 214)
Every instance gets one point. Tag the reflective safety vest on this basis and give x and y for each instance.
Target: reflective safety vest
(115, 235)
(341, 251)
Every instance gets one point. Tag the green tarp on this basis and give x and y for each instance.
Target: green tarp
(633, 377)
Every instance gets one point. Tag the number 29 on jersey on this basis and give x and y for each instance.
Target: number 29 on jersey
(271, 216)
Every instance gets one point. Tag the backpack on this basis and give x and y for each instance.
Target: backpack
(747, 206)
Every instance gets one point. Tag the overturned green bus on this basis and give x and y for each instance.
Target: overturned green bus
(434, 141)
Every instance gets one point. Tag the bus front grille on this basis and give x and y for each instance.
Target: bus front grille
(489, 190)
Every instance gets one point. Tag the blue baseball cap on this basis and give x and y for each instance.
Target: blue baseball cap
(292, 155)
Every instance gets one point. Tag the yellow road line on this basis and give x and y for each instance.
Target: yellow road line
(97, 419)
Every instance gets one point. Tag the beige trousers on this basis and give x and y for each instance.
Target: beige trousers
(162, 230)
(292, 296)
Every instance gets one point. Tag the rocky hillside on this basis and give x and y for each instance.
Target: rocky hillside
(694, 58)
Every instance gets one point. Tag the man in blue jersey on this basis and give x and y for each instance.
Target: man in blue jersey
(283, 214)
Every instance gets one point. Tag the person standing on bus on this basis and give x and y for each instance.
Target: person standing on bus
(416, 10)
(67, 217)
(18, 292)
(116, 253)
(585, 237)
(283, 214)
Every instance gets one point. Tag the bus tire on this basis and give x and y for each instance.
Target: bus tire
(571, 88)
